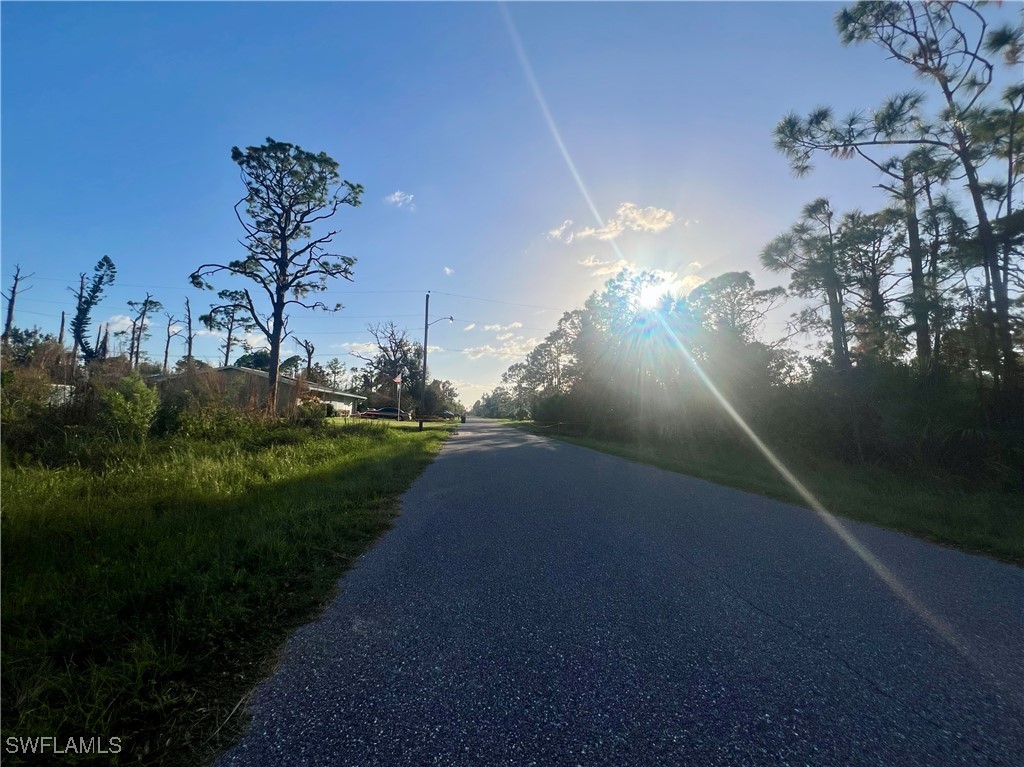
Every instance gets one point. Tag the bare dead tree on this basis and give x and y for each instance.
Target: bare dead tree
(137, 332)
(190, 336)
(172, 331)
(103, 349)
(308, 348)
(18, 278)
(396, 355)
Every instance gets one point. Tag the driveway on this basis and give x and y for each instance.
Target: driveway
(541, 603)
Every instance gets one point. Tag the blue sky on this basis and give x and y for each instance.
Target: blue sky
(118, 121)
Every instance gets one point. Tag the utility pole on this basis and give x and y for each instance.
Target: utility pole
(423, 383)
(426, 328)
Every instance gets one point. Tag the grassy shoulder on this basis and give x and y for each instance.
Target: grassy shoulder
(146, 600)
(977, 520)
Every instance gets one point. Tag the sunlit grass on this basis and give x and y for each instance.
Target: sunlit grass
(143, 602)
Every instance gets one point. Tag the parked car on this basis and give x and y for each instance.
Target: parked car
(388, 412)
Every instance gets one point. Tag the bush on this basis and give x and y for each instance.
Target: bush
(130, 409)
(311, 414)
(26, 413)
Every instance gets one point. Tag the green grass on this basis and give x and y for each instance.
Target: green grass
(146, 601)
(978, 520)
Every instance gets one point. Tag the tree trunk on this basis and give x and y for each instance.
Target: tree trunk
(840, 351)
(191, 336)
(142, 329)
(228, 341)
(9, 323)
(918, 295)
(1000, 299)
(940, 318)
(131, 343)
(276, 331)
(78, 308)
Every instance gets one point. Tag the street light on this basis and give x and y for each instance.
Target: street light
(426, 327)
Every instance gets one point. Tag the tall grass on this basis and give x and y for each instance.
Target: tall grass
(142, 600)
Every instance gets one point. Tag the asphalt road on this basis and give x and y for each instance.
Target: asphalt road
(540, 603)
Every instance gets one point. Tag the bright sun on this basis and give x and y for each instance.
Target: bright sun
(650, 295)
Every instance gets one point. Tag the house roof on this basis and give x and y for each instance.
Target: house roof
(314, 387)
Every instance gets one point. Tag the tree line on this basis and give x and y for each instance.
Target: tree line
(284, 264)
(918, 304)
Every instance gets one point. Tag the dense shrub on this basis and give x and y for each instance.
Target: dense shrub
(311, 414)
(28, 420)
(129, 409)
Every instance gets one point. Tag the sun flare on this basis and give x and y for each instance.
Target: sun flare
(651, 295)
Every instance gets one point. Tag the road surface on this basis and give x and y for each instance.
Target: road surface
(539, 603)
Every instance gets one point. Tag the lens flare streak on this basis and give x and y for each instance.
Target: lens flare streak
(538, 94)
(883, 572)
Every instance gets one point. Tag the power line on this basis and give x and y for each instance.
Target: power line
(39, 314)
(496, 301)
(47, 301)
(193, 287)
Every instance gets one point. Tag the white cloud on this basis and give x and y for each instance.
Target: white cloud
(400, 199)
(611, 267)
(511, 349)
(689, 282)
(602, 268)
(357, 347)
(255, 339)
(695, 265)
(477, 352)
(510, 326)
(562, 233)
(673, 282)
(118, 322)
(470, 326)
(448, 271)
(504, 336)
(630, 217)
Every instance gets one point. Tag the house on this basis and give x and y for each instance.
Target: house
(248, 387)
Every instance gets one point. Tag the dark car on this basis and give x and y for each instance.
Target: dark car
(388, 412)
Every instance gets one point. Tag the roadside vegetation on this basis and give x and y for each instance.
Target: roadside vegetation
(155, 555)
(958, 513)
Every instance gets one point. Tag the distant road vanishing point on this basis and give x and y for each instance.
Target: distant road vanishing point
(539, 603)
